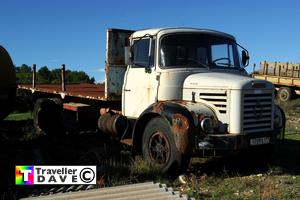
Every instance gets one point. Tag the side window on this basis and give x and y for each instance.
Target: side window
(142, 57)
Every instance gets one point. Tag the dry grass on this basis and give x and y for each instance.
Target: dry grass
(280, 179)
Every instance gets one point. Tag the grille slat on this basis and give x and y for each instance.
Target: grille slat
(257, 112)
(258, 130)
(219, 100)
(249, 98)
(250, 104)
(255, 125)
(252, 115)
(252, 120)
(250, 110)
(216, 103)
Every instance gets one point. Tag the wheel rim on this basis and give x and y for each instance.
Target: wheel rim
(284, 95)
(159, 148)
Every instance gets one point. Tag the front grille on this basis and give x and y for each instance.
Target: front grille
(257, 112)
(217, 99)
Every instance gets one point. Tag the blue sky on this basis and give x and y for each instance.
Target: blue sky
(53, 32)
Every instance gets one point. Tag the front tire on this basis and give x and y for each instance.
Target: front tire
(159, 146)
(285, 94)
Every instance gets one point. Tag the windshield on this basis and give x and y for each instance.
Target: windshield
(198, 50)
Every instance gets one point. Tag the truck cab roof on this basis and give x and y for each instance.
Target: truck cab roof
(163, 31)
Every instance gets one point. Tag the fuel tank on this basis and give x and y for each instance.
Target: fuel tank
(7, 83)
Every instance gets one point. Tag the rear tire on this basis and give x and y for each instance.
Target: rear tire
(285, 94)
(159, 147)
(47, 117)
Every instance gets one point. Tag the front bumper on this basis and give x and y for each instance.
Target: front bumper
(235, 142)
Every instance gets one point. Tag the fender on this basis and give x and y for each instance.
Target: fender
(279, 122)
(183, 118)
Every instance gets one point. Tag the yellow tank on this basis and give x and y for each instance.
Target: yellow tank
(7, 83)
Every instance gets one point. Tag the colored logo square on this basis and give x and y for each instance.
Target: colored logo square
(24, 175)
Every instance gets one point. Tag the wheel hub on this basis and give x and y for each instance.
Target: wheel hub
(283, 95)
(159, 148)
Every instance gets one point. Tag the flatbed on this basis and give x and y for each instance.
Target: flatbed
(81, 90)
(283, 75)
(279, 80)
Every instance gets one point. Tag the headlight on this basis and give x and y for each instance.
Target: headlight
(207, 125)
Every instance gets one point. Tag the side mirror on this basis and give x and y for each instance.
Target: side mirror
(127, 55)
(245, 58)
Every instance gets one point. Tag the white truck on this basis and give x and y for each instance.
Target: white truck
(171, 94)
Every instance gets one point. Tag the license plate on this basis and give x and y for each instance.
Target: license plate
(259, 141)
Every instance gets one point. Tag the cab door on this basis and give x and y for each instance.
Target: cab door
(140, 84)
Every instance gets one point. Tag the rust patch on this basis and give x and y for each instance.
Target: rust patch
(106, 72)
(127, 142)
(180, 102)
(180, 127)
(113, 124)
(201, 116)
(158, 107)
(116, 41)
(195, 118)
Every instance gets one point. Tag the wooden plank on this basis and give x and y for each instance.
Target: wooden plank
(278, 80)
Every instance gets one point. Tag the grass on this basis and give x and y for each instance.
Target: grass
(255, 186)
(17, 126)
(19, 116)
(279, 179)
(292, 112)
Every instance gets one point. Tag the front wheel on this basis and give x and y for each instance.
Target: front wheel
(159, 147)
(285, 94)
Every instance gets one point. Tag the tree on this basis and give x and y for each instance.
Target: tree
(25, 69)
(92, 80)
(24, 74)
(46, 76)
(43, 75)
(55, 76)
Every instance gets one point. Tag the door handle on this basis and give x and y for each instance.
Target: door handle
(127, 90)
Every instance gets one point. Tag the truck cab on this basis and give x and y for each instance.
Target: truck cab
(189, 95)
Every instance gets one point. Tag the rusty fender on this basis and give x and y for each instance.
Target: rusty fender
(183, 120)
(280, 122)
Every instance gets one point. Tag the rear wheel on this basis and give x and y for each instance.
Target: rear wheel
(159, 147)
(47, 117)
(285, 94)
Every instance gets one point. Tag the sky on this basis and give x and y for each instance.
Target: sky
(72, 32)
